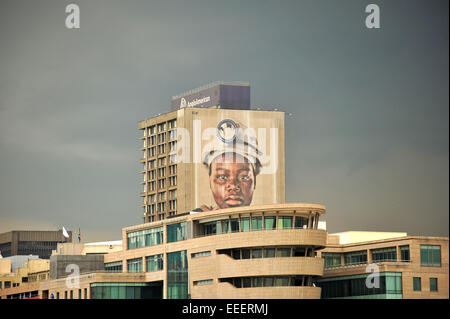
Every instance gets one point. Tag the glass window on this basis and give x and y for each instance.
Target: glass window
(154, 263)
(257, 253)
(247, 282)
(284, 222)
(257, 223)
(268, 281)
(236, 253)
(433, 284)
(245, 224)
(224, 226)
(332, 259)
(176, 232)
(430, 255)
(234, 225)
(114, 266)
(384, 254)
(301, 222)
(143, 238)
(134, 265)
(201, 254)
(257, 282)
(269, 252)
(282, 281)
(269, 222)
(177, 275)
(357, 257)
(283, 252)
(210, 228)
(203, 282)
(245, 253)
(404, 253)
(416, 284)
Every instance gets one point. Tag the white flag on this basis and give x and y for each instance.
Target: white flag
(65, 234)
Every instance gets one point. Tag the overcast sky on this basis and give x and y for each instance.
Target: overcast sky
(369, 131)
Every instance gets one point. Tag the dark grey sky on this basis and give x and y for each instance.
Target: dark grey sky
(368, 136)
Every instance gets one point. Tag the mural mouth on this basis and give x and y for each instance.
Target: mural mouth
(234, 200)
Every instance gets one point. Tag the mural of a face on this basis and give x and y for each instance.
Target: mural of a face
(232, 180)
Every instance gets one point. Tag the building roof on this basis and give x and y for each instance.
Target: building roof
(113, 242)
(352, 237)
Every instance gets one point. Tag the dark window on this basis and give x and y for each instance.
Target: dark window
(404, 253)
(417, 284)
(430, 255)
(433, 284)
(384, 254)
(357, 257)
(269, 252)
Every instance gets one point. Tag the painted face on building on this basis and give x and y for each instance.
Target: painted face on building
(232, 180)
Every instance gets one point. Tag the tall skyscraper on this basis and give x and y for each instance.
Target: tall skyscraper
(177, 146)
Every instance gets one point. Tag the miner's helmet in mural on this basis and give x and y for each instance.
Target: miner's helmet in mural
(233, 162)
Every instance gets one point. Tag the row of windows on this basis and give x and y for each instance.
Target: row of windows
(389, 283)
(266, 252)
(245, 224)
(268, 281)
(161, 207)
(158, 173)
(144, 238)
(153, 263)
(70, 295)
(114, 266)
(161, 127)
(430, 255)
(417, 284)
(154, 236)
(151, 165)
(160, 138)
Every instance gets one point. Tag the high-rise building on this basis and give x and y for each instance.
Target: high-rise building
(176, 145)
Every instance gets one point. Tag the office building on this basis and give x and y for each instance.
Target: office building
(409, 267)
(29, 242)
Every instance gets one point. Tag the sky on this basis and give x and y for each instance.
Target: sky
(368, 136)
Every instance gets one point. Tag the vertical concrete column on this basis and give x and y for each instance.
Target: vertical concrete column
(165, 274)
(316, 220)
(369, 256)
(165, 261)
(399, 255)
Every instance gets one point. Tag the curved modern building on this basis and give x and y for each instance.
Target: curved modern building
(266, 251)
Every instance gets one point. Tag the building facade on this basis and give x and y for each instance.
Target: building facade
(409, 267)
(175, 180)
(29, 242)
(216, 224)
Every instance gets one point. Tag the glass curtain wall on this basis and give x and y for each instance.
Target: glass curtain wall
(177, 275)
(144, 238)
(176, 232)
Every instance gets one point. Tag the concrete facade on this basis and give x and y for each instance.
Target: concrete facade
(408, 267)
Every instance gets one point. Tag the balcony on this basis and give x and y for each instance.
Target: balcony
(228, 267)
(227, 291)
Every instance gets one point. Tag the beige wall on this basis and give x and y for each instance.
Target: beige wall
(409, 269)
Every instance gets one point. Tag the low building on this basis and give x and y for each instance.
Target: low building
(21, 275)
(409, 267)
(31, 242)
